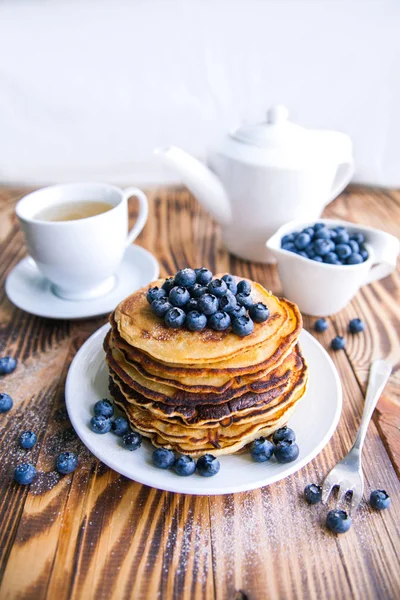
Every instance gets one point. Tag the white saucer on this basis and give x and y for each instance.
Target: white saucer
(29, 290)
(314, 422)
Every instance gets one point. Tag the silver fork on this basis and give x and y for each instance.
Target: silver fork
(348, 475)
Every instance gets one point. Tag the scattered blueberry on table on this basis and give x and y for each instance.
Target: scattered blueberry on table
(338, 343)
(356, 326)
(100, 424)
(7, 365)
(208, 465)
(193, 299)
(184, 466)
(321, 325)
(261, 449)
(163, 458)
(331, 245)
(24, 474)
(132, 440)
(27, 440)
(286, 451)
(6, 403)
(379, 499)
(66, 462)
(103, 408)
(338, 521)
(313, 493)
(120, 426)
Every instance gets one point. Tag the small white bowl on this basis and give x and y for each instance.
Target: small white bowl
(322, 289)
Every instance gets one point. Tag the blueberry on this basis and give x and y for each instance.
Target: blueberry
(195, 321)
(66, 462)
(203, 276)
(244, 287)
(120, 426)
(318, 258)
(286, 452)
(319, 226)
(302, 240)
(338, 343)
(322, 246)
(217, 287)
(261, 449)
(230, 281)
(287, 239)
(179, 296)
(191, 306)
(242, 326)
(175, 318)
(244, 300)
(302, 253)
(197, 290)
(313, 493)
(289, 246)
(343, 250)
(357, 237)
(208, 304)
(208, 465)
(160, 307)
(185, 278)
(332, 259)
(163, 458)
(284, 434)
(7, 365)
(132, 440)
(356, 326)
(100, 424)
(219, 321)
(6, 403)
(239, 311)
(310, 251)
(364, 253)
(334, 234)
(355, 259)
(154, 293)
(24, 474)
(342, 236)
(228, 302)
(259, 312)
(354, 247)
(309, 231)
(184, 466)
(27, 439)
(322, 233)
(338, 521)
(321, 325)
(168, 284)
(379, 499)
(103, 408)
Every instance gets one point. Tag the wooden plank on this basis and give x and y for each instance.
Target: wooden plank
(96, 534)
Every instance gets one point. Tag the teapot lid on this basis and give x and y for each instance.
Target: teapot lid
(274, 132)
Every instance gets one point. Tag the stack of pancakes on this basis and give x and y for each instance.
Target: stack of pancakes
(208, 391)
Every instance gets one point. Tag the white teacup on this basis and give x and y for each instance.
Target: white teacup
(81, 256)
(321, 289)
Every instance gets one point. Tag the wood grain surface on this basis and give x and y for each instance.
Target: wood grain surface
(95, 534)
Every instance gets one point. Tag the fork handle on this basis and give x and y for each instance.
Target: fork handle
(378, 376)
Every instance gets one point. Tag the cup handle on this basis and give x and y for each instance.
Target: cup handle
(386, 249)
(143, 213)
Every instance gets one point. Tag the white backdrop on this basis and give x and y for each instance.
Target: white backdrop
(88, 89)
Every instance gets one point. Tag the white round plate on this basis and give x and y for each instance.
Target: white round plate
(29, 290)
(314, 422)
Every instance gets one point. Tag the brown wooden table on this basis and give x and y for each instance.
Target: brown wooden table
(95, 534)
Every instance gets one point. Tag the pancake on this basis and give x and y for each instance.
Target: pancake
(137, 325)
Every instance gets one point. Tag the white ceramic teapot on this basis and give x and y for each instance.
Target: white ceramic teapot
(264, 175)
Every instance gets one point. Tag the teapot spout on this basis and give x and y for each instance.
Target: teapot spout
(200, 180)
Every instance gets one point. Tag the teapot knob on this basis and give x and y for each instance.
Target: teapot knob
(277, 114)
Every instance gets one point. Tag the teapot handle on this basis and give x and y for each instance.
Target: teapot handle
(339, 147)
(343, 177)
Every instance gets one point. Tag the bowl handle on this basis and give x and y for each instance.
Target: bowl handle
(386, 251)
